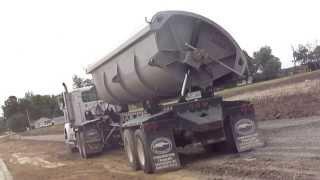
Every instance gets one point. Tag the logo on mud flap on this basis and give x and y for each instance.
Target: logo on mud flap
(244, 127)
(161, 145)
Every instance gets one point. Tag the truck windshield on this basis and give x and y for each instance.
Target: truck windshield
(90, 95)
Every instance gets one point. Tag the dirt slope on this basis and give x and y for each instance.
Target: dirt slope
(291, 97)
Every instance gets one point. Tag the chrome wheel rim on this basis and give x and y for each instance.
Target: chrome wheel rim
(140, 152)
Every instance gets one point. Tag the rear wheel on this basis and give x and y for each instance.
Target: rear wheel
(216, 147)
(230, 143)
(130, 148)
(227, 146)
(142, 151)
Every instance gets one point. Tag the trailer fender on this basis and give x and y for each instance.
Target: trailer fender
(160, 149)
(244, 130)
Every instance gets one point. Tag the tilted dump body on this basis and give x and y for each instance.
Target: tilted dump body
(152, 64)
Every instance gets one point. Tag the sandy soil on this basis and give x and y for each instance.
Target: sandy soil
(291, 151)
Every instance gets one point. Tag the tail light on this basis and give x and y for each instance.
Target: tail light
(247, 108)
(151, 126)
(205, 105)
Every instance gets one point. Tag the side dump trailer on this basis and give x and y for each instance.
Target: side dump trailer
(153, 63)
(163, 79)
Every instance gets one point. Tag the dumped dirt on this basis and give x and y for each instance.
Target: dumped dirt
(291, 151)
(300, 99)
(289, 80)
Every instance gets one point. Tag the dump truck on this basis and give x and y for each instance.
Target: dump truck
(161, 83)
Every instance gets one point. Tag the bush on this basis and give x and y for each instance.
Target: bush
(3, 126)
(17, 122)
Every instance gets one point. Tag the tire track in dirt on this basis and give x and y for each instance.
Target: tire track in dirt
(291, 151)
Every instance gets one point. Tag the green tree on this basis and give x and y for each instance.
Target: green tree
(43, 106)
(79, 82)
(3, 125)
(268, 65)
(17, 122)
(315, 54)
(11, 106)
(252, 64)
(35, 106)
(301, 55)
(13, 114)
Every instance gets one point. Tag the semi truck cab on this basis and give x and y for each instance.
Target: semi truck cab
(82, 102)
(87, 121)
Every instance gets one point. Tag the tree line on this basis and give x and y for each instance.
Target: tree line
(19, 112)
(308, 55)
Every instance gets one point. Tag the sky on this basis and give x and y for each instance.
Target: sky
(45, 42)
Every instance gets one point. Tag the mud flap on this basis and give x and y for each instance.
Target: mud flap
(245, 133)
(163, 151)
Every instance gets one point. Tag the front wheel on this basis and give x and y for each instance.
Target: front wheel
(82, 146)
(72, 148)
(142, 151)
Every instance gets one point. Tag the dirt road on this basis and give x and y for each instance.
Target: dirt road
(291, 151)
(51, 137)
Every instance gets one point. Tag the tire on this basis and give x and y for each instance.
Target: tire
(130, 149)
(227, 146)
(72, 148)
(82, 146)
(216, 147)
(142, 152)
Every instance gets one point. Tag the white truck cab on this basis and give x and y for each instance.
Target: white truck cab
(77, 107)
(83, 113)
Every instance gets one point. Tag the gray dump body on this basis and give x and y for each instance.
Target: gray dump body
(152, 64)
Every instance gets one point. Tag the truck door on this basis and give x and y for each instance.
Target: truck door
(78, 108)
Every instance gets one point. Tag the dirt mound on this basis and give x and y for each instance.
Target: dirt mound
(261, 86)
(298, 99)
(288, 106)
(292, 101)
